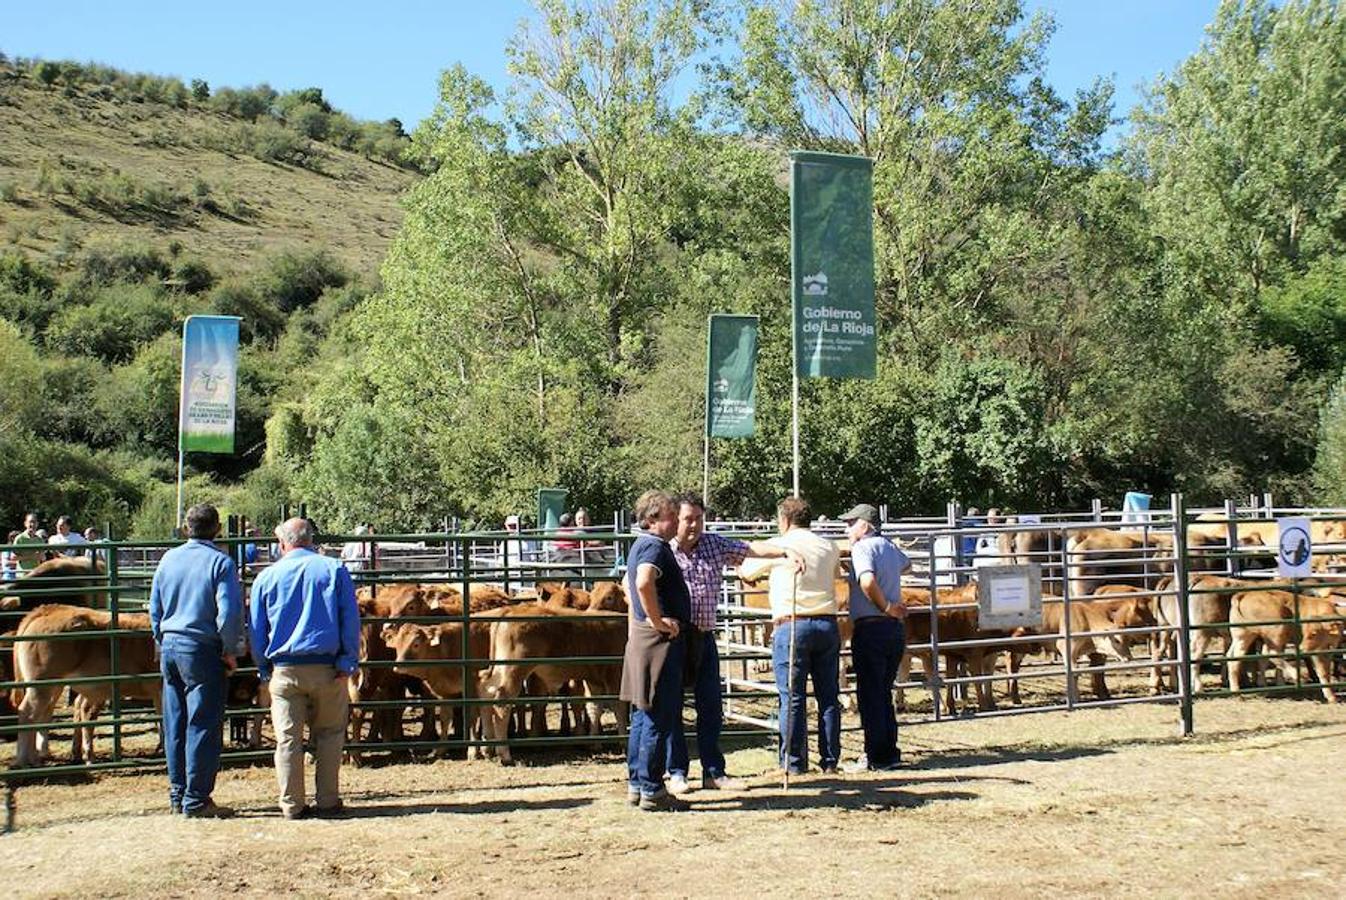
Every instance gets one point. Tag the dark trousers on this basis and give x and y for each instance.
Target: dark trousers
(651, 729)
(194, 690)
(876, 650)
(709, 713)
(817, 655)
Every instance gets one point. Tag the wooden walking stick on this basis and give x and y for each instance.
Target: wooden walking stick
(787, 740)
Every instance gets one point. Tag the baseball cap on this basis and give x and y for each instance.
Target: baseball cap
(861, 511)
(511, 519)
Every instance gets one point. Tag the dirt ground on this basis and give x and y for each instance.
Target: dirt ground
(1096, 802)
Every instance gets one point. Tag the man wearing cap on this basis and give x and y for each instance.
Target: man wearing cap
(875, 576)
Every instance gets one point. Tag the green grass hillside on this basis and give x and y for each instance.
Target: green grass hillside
(80, 165)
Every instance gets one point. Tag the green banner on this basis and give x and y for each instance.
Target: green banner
(731, 388)
(551, 503)
(832, 263)
(209, 378)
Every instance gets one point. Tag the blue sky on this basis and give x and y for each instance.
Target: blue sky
(377, 60)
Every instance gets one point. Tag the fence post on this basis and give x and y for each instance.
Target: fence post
(1232, 537)
(114, 658)
(469, 669)
(1069, 655)
(932, 675)
(1184, 614)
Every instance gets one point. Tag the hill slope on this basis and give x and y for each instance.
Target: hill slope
(76, 166)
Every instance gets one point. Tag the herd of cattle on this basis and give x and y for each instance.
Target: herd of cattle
(553, 643)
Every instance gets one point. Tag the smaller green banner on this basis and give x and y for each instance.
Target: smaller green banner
(551, 503)
(731, 385)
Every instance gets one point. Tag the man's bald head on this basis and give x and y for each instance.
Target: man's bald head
(295, 532)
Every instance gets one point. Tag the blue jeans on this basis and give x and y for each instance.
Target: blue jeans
(876, 650)
(709, 716)
(647, 741)
(817, 654)
(194, 693)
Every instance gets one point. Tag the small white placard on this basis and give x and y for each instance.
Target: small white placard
(1009, 596)
(1294, 548)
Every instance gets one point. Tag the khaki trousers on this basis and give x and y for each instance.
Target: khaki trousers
(313, 696)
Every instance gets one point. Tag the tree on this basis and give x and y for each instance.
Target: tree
(200, 90)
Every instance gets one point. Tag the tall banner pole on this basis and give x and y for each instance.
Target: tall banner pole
(207, 391)
(796, 268)
(831, 272)
(705, 431)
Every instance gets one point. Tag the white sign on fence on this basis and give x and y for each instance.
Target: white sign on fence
(1009, 596)
(1294, 548)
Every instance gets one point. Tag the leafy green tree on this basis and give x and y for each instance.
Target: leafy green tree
(20, 380)
(200, 90)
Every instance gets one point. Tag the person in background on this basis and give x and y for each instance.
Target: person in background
(9, 560)
(566, 526)
(805, 605)
(703, 556)
(64, 536)
(876, 608)
(652, 667)
(94, 536)
(305, 630)
(32, 534)
(250, 548)
(357, 555)
(196, 618)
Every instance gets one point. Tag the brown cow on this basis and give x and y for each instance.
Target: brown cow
(1105, 556)
(1270, 622)
(957, 622)
(1208, 598)
(1098, 629)
(76, 658)
(607, 596)
(421, 652)
(534, 631)
(73, 573)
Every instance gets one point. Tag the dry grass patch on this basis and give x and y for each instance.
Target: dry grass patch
(1099, 802)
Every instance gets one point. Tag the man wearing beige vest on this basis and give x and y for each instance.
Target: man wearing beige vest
(804, 614)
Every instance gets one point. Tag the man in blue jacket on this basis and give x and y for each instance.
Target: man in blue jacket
(305, 630)
(196, 615)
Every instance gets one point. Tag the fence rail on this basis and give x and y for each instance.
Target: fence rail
(1156, 565)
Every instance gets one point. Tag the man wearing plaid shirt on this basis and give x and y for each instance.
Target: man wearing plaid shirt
(702, 557)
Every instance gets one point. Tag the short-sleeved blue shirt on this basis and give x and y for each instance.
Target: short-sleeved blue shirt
(875, 553)
(674, 600)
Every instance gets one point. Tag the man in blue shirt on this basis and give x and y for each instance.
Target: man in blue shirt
(196, 616)
(652, 668)
(305, 630)
(879, 637)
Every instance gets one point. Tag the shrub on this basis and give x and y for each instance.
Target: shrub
(309, 120)
(120, 319)
(261, 319)
(9, 191)
(200, 90)
(104, 264)
(47, 72)
(193, 276)
(295, 279)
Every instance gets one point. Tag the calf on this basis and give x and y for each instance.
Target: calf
(1270, 622)
(36, 660)
(532, 632)
(421, 650)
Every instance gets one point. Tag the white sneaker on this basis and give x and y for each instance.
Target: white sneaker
(860, 765)
(677, 785)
